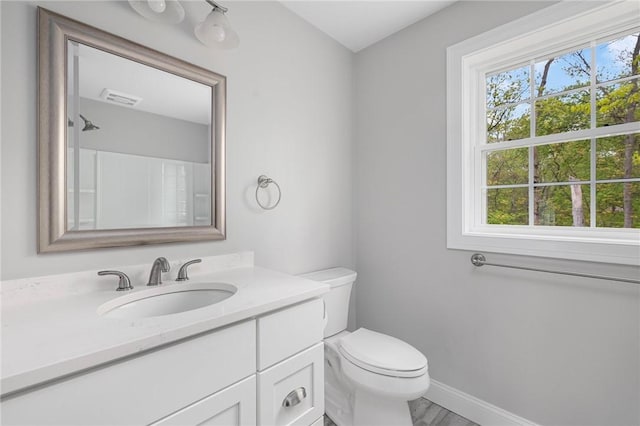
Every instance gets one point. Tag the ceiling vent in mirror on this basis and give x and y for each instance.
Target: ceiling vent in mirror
(114, 96)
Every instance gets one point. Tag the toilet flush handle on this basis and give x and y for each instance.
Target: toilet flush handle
(295, 397)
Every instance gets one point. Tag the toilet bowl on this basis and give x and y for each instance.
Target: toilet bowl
(369, 376)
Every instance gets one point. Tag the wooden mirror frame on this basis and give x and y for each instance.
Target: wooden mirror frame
(54, 31)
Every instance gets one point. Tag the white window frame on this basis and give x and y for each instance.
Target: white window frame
(552, 29)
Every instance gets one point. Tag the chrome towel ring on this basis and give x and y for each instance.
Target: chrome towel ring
(264, 182)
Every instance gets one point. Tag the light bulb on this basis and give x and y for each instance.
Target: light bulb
(165, 11)
(158, 6)
(217, 33)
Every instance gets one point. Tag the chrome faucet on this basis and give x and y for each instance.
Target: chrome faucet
(159, 266)
(182, 273)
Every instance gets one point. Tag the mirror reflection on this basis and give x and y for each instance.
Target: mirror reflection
(139, 149)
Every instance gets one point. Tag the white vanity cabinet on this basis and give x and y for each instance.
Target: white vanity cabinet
(263, 371)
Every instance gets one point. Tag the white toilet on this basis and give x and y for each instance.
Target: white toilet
(369, 376)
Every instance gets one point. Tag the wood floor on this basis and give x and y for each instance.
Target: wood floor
(427, 413)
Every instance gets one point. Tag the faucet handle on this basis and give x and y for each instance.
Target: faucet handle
(182, 273)
(123, 284)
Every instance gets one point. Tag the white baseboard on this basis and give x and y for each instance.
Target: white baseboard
(472, 408)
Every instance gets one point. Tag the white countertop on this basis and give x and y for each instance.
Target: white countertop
(53, 337)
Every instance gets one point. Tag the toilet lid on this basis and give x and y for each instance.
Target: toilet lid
(382, 354)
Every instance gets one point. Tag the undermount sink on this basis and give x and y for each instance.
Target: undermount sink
(168, 300)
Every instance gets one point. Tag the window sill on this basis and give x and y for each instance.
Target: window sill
(606, 246)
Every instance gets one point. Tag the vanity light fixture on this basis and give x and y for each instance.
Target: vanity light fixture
(164, 11)
(215, 31)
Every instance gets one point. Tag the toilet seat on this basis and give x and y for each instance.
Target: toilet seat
(382, 354)
(382, 385)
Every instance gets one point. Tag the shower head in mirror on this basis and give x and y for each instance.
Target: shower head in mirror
(88, 125)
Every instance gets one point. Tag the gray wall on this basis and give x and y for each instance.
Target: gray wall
(289, 117)
(552, 349)
(131, 131)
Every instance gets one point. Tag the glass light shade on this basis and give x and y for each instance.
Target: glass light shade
(215, 31)
(172, 13)
(158, 6)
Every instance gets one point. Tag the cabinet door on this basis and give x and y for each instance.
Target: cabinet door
(233, 406)
(292, 392)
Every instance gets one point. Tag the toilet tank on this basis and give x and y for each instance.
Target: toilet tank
(337, 299)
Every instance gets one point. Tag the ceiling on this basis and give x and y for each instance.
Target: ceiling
(162, 93)
(357, 24)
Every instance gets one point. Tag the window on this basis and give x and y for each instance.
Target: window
(544, 136)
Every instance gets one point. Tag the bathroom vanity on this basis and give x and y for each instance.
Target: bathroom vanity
(253, 358)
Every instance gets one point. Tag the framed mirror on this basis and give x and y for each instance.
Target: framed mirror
(131, 142)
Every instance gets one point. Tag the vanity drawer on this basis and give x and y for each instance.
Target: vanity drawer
(292, 392)
(144, 388)
(289, 331)
(234, 406)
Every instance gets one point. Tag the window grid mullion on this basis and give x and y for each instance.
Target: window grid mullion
(532, 134)
(562, 93)
(507, 186)
(592, 151)
(566, 92)
(483, 163)
(562, 183)
(570, 136)
(617, 80)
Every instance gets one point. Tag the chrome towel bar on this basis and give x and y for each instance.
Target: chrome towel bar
(478, 259)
